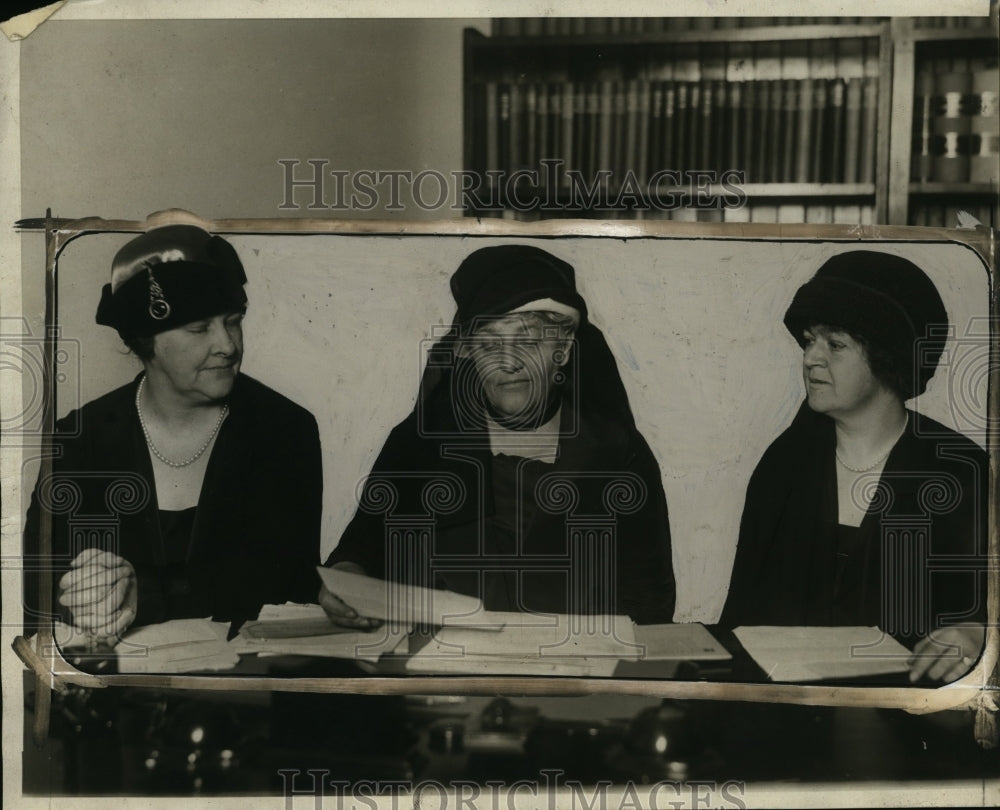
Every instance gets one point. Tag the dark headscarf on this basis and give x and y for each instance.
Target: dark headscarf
(492, 282)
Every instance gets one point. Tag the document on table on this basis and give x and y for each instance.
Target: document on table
(404, 604)
(683, 641)
(294, 629)
(181, 645)
(565, 645)
(820, 653)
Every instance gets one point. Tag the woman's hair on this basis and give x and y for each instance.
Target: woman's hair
(141, 347)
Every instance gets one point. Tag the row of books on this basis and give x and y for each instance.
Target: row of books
(810, 130)
(623, 26)
(940, 215)
(934, 215)
(823, 214)
(956, 126)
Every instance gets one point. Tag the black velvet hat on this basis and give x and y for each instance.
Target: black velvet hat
(168, 277)
(884, 298)
(503, 278)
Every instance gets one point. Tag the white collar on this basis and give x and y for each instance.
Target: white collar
(540, 444)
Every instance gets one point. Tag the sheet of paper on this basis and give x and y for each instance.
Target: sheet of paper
(819, 653)
(361, 646)
(562, 637)
(405, 604)
(434, 659)
(679, 642)
(181, 645)
(295, 629)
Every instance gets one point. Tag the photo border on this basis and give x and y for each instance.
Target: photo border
(976, 690)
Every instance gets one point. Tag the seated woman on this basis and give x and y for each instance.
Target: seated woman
(864, 512)
(194, 490)
(519, 477)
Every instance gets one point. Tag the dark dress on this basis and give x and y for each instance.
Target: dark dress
(587, 534)
(252, 539)
(916, 562)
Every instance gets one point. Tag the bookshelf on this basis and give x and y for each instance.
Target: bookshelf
(950, 162)
(817, 113)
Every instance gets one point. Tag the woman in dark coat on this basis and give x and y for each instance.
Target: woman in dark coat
(193, 491)
(519, 477)
(864, 512)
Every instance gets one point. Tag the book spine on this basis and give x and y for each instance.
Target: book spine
(593, 118)
(920, 149)
(641, 129)
(984, 145)
(820, 131)
(529, 127)
(804, 131)
(789, 124)
(822, 70)
(869, 115)
(794, 69)
(703, 156)
(750, 132)
(619, 136)
(950, 127)
(852, 130)
(762, 126)
(656, 147)
(721, 129)
(605, 126)
(734, 132)
(492, 153)
(516, 127)
(567, 130)
(680, 127)
(503, 127)
(835, 163)
(541, 129)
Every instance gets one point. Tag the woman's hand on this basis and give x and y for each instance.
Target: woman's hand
(947, 654)
(101, 593)
(338, 611)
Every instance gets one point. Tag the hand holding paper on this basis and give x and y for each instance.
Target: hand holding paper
(337, 610)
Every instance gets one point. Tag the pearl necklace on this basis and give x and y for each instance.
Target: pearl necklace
(152, 447)
(881, 458)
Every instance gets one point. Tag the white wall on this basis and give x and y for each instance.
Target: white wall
(123, 118)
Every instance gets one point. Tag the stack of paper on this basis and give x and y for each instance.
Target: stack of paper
(819, 653)
(532, 644)
(292, 629)
(181, 645)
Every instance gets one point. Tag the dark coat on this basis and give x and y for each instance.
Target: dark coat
(919, 560)
(431, 512)
(255, 538)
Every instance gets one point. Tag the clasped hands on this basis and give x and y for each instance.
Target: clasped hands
(101, 593)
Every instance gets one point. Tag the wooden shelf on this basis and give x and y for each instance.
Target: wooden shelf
(750, 190)
(951, 34)
(725, 35)
(809, 189)
(953, 188)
